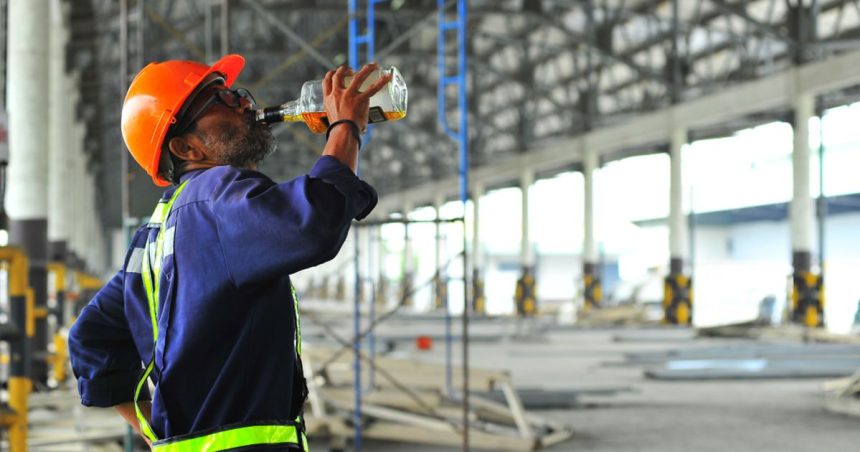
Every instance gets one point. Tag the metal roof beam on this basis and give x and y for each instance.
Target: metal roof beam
(766, 93)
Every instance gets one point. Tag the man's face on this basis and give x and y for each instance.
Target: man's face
(228, 130)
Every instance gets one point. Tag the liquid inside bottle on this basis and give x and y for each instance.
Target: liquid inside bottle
(389, 104)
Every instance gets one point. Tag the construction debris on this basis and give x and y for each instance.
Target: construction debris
(751, 330)
(409, 403)
(843, 396)
(749, 361)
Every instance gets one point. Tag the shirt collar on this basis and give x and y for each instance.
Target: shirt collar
(188, 175)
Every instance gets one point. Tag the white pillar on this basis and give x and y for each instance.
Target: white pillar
(677, 220)
(58, 139)
(526, 252)
(477, 250)
(437, 205)
(408, 261)
(72, 158)
(589, 248)
(79, 180)
(27, 95)
(27, 189)
(802, 208)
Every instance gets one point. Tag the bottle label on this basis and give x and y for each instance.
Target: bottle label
(376, 115)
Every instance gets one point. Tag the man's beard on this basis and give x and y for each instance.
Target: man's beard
(242, 147)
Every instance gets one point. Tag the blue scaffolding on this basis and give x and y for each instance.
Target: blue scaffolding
(356, 42)
(454, 20)
(456, 23)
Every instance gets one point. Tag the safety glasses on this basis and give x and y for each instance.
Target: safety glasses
(230, 98)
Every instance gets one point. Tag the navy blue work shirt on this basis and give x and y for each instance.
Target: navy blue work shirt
(226, 323)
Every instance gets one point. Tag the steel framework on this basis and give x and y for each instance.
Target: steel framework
(539, 71)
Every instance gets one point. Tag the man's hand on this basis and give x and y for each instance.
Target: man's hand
(126, 410)
(347, 102)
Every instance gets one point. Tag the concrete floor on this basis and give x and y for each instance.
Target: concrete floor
(736, 416)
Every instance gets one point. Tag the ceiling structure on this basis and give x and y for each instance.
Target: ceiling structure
(538, 70)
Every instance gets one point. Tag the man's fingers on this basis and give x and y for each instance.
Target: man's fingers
(376, 86)
(327, 82)
(361, 76)
(337, 78)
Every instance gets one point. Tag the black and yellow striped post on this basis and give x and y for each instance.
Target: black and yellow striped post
(526, 293)
(59, 356)
(479, 301)
(807, 299)
(21, 302)
(592, 287)
(678, 299)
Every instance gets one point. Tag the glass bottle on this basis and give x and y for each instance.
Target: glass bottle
(389, 104)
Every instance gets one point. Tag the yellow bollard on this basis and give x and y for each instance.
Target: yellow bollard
(61, 356)
(19, 392)
(677, 300)
(19, 385)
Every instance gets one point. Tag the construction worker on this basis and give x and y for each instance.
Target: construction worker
(203, 306)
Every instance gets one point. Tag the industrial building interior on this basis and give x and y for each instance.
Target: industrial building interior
(603, 225)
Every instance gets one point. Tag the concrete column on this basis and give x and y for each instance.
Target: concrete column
(807, 301)
(58, 140)
(26, 196)
(677, 220)
(71, 158)
(526, 252)
(590, 277)
(479, 303)
(440, 291)
(525, 295)
(677, 298)
(79, 180)
(382, 284)
(802, 211)
(408, 261)
(225, 27)
(478, 191)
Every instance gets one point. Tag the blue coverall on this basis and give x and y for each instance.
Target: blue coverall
(226, 325)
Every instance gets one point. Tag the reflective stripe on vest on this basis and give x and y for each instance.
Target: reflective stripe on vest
(229, 437)
(234, 437)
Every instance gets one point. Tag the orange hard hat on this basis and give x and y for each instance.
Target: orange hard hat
(154, 99)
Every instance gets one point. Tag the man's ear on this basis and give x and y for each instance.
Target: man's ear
(183, 148)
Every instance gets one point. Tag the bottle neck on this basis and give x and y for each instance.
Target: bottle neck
(288, 112)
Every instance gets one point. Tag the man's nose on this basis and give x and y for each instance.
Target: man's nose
(245, 104)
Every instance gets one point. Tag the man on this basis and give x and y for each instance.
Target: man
(204, 300)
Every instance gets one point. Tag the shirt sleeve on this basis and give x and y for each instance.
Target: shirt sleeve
(268, 230)
(103, 355)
